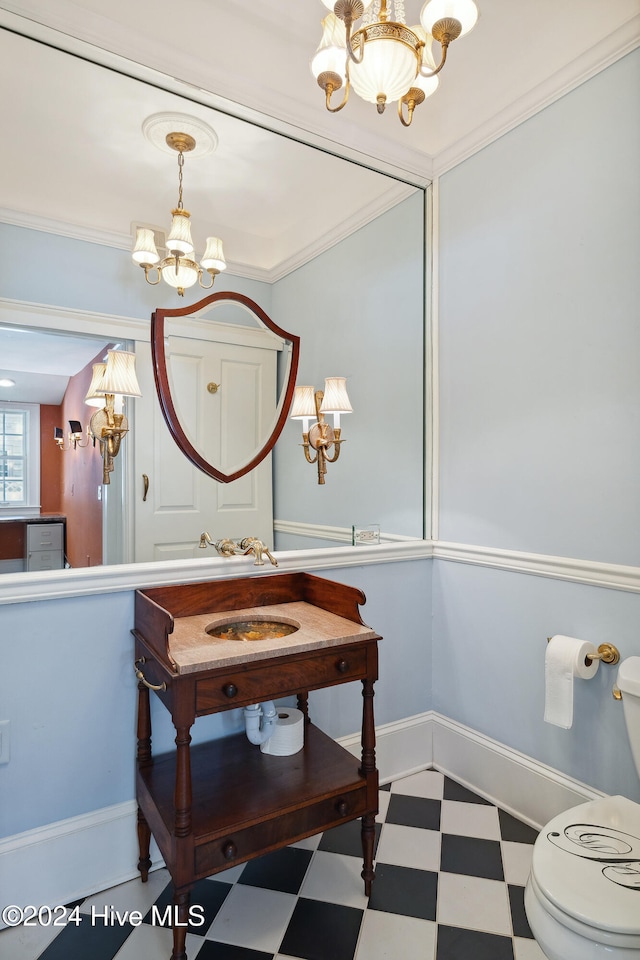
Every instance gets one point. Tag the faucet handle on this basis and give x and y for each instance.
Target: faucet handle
(273, 560)
(258, 549)
(226, 547)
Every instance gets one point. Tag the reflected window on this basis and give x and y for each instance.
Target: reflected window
(19, 455)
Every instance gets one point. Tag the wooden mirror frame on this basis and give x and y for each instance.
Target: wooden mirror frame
(161, 375)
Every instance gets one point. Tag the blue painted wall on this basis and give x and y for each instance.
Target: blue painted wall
(540, 425)
(359, 311)
(68, 686)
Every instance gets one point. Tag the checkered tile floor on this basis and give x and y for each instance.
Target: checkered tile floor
(450, 876)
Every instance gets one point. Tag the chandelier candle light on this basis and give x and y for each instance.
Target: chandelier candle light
(384, 60)
(115, 378)
(178, 268)
(311, 404)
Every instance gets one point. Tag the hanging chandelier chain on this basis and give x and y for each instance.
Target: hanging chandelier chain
(180, 166)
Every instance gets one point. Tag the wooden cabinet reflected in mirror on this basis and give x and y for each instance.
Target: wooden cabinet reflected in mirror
(225, 375)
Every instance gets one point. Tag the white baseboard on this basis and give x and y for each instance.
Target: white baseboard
(522, 786)
(528, 789)
(75, 858)
(71, 859)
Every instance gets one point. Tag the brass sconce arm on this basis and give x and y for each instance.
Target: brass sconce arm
(306, 446)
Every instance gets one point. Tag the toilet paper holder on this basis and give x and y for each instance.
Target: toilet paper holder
(606, 652)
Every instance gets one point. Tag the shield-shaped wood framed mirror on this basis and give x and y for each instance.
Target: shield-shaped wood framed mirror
(225, 375)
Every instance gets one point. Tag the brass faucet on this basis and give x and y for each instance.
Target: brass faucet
(231, 548)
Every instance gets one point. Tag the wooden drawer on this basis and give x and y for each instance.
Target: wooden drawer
(266, 681)
(240, 845)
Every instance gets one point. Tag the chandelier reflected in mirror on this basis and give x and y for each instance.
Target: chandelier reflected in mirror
(382, 58)
(178, 268)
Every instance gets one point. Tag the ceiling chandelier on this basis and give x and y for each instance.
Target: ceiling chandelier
(178, 268)
(383, 59)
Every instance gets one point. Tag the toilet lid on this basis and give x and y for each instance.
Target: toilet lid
(586, 861)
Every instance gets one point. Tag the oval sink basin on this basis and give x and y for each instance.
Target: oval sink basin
(256, 628)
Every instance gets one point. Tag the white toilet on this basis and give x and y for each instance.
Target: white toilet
(582, 898)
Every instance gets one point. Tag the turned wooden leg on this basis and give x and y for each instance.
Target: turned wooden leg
(303, 704)
(182, 796)
(144, 839)
(143, 757)
(368, 770)
(368, 843)
(180, 923)
(368, 730)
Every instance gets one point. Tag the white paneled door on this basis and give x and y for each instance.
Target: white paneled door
(226, 424)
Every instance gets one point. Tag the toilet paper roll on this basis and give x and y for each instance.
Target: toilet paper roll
(564, 661)
(288, 736)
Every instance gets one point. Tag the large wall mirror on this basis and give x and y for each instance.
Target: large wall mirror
(333, 251)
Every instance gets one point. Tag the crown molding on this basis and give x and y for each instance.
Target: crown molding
(395, 195)
(617, 45)
(286, 114)
(73, 231)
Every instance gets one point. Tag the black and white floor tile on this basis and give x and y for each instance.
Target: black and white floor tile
(450, 876)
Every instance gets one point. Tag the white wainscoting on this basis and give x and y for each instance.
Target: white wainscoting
(73, 858)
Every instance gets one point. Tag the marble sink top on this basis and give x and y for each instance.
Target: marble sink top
(193, 649)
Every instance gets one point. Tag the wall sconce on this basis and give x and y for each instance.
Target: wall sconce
(311, 404)
(115, 378)
(75, 436)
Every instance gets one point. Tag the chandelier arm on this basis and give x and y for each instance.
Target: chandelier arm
(330, 82)
(206, 286)
(350, 54)
(147, 268)
(444, 32)
(432, 73)
(411, 104)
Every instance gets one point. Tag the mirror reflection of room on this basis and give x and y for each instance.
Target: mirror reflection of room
(51, 486)
(317, 262)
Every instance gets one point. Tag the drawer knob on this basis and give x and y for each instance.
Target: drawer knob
(230, 690)
(342, 808)
(342, 665)
(229, 851)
